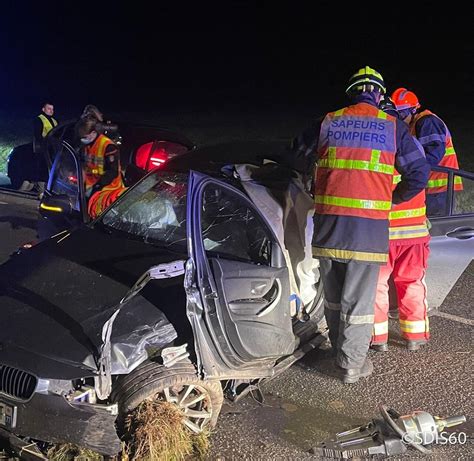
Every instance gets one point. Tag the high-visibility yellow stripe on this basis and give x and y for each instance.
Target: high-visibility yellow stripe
(356, 165)
(381, 328)
(402, 214)
(450, 151)
(397, 178)
(350, 254)
(443, 182)
(414, 326)
(339, 112)
(357, 319)
(375, 157)
(51, 208)
(353, 202)
(383, 115)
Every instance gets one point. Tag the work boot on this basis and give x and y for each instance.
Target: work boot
(415, 345)
(379, 347)
(352, 375)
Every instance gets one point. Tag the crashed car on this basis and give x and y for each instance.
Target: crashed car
(197, 276)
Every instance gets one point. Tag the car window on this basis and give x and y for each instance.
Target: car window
(64, 176)
(462, 186)
(463, 195)
(232, 229)
(154, 210)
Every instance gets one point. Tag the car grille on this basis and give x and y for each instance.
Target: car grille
(16, 383)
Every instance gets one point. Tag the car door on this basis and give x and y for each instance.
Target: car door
(452, 231)
(62, 204)
(237, 283)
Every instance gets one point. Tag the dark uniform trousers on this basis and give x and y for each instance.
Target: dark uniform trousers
(349, 290)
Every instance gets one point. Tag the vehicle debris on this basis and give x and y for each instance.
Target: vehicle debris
(391, 435)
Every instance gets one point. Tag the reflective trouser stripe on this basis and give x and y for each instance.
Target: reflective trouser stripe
(380, 332)
(414, 326)
(357, 319)
(381, 328)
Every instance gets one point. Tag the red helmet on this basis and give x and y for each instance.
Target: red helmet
(404, 99)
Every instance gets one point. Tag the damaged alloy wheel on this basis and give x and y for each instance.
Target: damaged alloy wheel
(199, 401)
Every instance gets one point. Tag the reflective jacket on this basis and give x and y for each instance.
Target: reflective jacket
(48, 124)
(408, 219)
(354, 178)
(94, 161)
(438, 182)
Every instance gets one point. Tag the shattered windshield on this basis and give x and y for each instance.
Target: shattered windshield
(154, 210)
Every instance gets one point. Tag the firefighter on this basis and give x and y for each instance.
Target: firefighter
(101, 165)
(407, 261)
(437, 142)
(356, 149)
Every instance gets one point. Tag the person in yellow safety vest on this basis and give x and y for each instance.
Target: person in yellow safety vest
(356, 150)
(407, 262)
(42, 125)
(437, 143)
(101, 165)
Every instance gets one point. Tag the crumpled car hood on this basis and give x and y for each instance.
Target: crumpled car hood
(56, 297)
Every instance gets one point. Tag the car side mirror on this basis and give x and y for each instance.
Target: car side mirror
(53, 204)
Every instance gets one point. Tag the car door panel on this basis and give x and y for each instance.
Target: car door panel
(241, 321)
(257, 327)
(452, 232)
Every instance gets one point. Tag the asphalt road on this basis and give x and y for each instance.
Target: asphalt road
(304, 406)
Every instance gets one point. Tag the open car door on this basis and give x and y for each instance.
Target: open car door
(62, 206)
(237, 284)
(452, 232)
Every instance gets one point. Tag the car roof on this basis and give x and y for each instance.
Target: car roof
(211, 159)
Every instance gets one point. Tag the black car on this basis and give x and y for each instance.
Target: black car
(196, 276)
(142, 148)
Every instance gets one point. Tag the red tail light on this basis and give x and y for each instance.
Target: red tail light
(150, 155)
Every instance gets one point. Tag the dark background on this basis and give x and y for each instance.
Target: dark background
(157, 56)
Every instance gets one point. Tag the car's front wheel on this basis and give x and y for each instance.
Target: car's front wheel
(199, 401)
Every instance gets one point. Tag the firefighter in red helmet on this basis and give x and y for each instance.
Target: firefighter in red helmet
(437, 143)
(407, 262)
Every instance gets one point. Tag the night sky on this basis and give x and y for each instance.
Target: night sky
(228, 55)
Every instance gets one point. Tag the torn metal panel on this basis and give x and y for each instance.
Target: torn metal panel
(136, 348)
